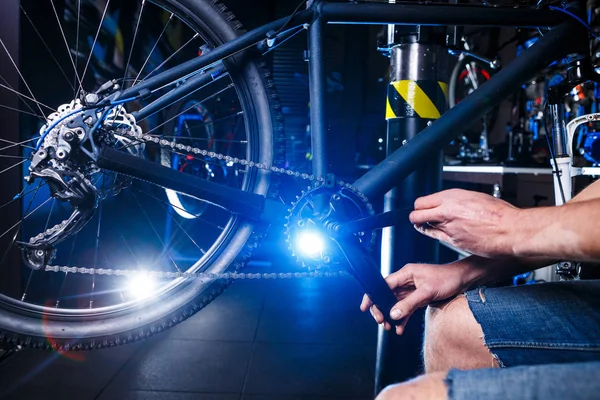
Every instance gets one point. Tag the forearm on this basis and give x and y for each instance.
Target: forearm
(591, 192)
(566, 232)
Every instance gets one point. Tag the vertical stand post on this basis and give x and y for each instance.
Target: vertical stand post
(318, 89)
(11, 180)
(417, 95)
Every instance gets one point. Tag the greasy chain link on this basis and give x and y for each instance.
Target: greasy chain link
(140, 137)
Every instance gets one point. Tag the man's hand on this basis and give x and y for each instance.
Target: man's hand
(417, 285)
(471, 221)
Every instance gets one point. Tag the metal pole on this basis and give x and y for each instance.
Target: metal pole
(318, 89)
(417, 95)
(556, 44)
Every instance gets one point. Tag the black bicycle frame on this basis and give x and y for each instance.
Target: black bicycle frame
(566, 37)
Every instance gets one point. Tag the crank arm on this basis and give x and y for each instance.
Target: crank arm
(373, 222)
(246, 204)
(365, 271)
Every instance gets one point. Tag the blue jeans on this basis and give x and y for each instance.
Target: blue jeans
(549, 332)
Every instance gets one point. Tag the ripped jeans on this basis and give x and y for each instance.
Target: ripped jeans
(549, 333)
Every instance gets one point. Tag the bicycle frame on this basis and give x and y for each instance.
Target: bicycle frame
(565, 38)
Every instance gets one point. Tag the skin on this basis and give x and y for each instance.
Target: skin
(515, 241)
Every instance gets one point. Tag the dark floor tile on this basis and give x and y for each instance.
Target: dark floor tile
(49, 393)
(308, 370)
(246, 294)
(220, 320)
(342, 293)
(151, 395)
(276, 397)
(317, 326)
(78, 370)
(186, 365)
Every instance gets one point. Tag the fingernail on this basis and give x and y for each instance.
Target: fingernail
(396, 314)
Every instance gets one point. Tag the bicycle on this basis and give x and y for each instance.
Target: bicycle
(98, 153)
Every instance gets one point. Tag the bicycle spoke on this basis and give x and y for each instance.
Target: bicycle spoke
(19, 157)
(96, 251)
(152, 50)
(179, 208)
(22, 100)
(27, 216)
(130, 251)
(13, 166)
(14, 239)
(70, 259)
(180, 227)
(22, 144)
(87, 64)
(137, 25)
(62, 32)
(171, 56)
(155, 232)
(22, 194)
(28, 98)
(20, 111)
(27, 286)
(76, 77)
(21, 75)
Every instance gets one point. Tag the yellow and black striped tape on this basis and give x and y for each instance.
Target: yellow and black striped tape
(422, 99)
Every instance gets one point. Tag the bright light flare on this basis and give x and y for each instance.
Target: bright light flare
(310, 243)
(141, 286)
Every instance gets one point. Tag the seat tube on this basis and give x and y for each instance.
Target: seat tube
(417, 95)
(318, 89)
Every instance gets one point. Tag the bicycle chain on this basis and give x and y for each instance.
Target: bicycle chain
(141, 137)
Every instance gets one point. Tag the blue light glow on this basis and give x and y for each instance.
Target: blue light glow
(310, 243)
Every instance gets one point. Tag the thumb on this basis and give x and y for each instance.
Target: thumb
(407, 306)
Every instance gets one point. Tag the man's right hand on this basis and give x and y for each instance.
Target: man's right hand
(417, 285)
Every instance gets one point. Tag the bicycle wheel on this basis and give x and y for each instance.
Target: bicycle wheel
(135, 225)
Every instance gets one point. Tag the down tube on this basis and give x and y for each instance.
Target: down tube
(565, 39)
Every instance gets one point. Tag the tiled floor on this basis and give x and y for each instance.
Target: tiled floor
(260, 340)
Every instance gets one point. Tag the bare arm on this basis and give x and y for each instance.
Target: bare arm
(589, 193)
(571, 231)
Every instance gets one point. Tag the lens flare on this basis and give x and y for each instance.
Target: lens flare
(310, 243)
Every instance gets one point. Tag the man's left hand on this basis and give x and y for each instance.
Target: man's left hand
(475, 222)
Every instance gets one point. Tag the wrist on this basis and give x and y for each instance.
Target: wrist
(474, 270)
(527, 232)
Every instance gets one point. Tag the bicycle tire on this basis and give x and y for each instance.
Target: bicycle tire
(39, 328)
(460, 66)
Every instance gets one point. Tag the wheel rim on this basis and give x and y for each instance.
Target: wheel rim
(54, 309)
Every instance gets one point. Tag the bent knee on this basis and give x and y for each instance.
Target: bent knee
(453, 338)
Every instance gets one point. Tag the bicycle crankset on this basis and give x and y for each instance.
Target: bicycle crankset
(313, 217)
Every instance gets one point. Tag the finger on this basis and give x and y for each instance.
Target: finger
(431, 201)
(377, 315)
(431, 215)
(433, 233)
(402, 326)
(400, 278)
(366, 303)
(387, 326)
(407, 306)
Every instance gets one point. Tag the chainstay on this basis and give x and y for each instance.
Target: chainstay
(174, 146)
(196, 275)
